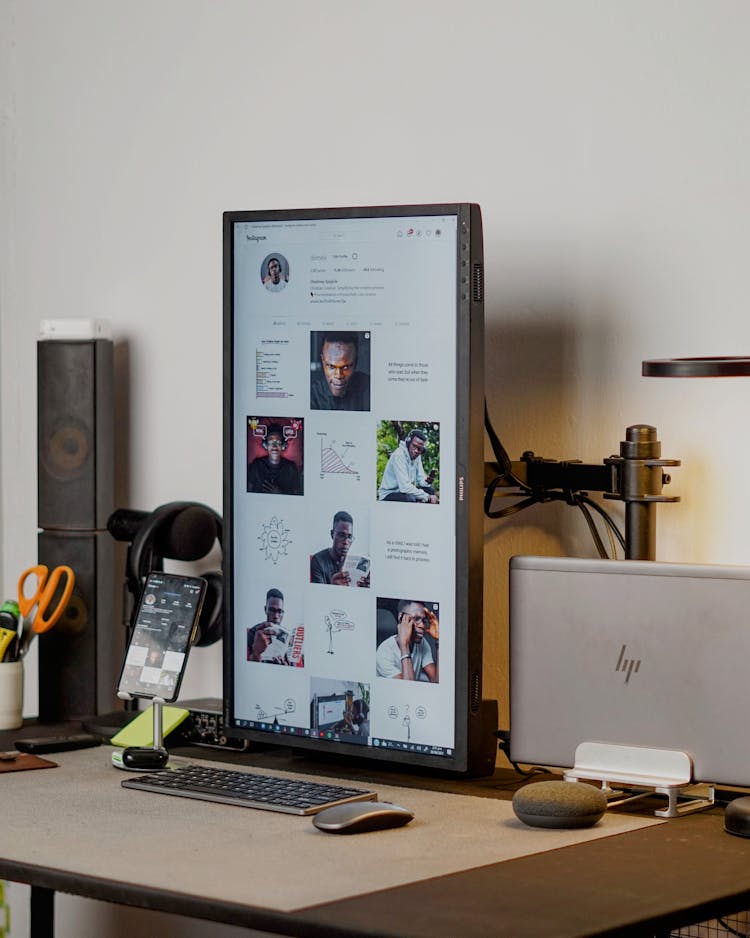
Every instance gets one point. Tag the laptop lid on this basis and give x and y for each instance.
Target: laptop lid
(635, 653)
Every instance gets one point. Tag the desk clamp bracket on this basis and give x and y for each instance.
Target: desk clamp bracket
(664, 771)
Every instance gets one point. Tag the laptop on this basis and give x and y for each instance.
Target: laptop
(634, 653)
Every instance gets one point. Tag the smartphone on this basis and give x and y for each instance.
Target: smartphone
(165, 626)
(57, 743)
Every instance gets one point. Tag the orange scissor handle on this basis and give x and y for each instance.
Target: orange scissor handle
(46, 586)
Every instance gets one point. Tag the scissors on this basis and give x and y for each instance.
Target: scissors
(46, 586)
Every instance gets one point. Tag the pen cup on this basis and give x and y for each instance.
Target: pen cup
(11, 695)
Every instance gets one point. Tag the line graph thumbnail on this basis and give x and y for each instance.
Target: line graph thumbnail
(338, 458)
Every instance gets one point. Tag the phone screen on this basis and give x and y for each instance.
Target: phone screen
(164, 630)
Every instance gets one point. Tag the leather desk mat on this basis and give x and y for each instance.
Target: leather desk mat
(78, 818)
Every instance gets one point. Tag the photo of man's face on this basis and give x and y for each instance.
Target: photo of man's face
(339, 360)
(275, 447)
(343, 535)
(274, 610)
(274, 270)
(418, 615)
(416, 447)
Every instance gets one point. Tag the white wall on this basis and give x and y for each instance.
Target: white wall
(607, 142)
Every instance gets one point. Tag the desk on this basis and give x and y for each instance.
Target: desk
(682, 871)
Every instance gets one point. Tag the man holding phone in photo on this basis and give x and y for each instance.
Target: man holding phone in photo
(404, 478)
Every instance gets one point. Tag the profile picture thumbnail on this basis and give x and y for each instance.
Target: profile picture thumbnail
(274, 272)
(275, 455)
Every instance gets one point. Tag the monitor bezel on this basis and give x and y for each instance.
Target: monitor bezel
(472, 752)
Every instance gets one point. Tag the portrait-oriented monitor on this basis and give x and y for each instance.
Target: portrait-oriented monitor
(353, 362)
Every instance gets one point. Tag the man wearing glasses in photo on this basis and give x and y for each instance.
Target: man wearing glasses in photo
(338, 385)
(334, 565)
(407, 655)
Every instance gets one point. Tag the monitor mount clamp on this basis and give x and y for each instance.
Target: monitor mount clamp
(636, 476)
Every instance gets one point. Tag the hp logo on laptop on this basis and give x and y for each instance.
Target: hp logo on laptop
(627, 665)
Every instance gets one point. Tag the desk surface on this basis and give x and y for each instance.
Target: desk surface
(673, 874)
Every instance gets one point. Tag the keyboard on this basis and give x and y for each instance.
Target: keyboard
(248, 790)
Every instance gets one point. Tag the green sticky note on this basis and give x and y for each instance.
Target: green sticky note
(140, 730)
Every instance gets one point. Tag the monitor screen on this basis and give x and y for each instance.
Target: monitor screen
(354, 480)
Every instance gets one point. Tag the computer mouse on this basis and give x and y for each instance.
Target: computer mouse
(737, 817)
(359, 817)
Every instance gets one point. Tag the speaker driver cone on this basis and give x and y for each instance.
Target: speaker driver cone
(67, 451)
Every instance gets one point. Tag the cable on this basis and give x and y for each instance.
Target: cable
(503, 745)
(612, 528)
(598, 543)
(503, 737)
(501, 455)
(528, 496)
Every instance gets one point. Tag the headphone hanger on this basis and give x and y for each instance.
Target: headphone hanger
(190, 542)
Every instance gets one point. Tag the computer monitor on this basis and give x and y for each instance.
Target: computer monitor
(353, 401)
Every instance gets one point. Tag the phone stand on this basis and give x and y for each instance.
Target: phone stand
(145, 758)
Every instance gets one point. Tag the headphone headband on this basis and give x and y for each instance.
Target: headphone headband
(143, 556)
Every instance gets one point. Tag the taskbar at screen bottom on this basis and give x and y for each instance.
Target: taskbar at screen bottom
(332, 734)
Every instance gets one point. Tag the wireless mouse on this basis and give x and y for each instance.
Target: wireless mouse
(358, 817)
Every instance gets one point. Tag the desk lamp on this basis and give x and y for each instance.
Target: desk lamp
(635, 476)
(719, 367)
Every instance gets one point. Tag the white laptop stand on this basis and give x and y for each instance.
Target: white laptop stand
(666, 771)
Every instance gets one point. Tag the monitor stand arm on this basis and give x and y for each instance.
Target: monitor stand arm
(635, 477)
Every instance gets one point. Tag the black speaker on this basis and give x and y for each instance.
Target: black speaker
(80, 657)
(75, 434)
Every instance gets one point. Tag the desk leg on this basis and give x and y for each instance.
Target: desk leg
(42, 912)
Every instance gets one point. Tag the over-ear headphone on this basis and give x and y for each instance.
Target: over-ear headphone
(275, 428)
(175, 531)
(411, 434)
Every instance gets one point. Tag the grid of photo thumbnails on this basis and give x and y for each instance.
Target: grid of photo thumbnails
(340, 608)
